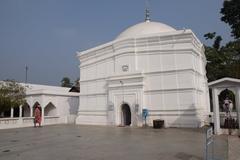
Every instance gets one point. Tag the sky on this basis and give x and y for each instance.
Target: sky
(46, 34)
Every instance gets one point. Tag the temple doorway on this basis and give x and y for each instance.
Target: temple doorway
(126, 114)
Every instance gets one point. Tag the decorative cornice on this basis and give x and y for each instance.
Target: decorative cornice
(47, 92)
(146, 52)
(138, 75)
(173, 36)
(172, 90)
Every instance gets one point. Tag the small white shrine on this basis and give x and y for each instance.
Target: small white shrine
(217, 87)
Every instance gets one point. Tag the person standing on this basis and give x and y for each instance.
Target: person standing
(227, 105)
(37, 116)
(229, 123)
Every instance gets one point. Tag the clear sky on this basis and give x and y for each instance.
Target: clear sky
(45, 34)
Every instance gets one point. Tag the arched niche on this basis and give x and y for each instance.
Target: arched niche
(223, 95)
(34, 107)
(26, 110)
(50, 110)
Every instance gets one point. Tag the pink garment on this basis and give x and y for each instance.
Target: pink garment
(37, 114)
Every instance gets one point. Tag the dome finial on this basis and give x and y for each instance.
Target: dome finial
(147, 12)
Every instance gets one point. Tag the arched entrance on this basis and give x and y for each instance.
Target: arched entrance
(227, 95)
(222, 88)
(126, 114)
(26, 112)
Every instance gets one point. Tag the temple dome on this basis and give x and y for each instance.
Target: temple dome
(145, 28)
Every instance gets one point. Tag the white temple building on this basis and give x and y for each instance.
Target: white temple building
(150, 66)
(58, 106)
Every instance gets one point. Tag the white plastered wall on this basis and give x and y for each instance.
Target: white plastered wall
(174, 83)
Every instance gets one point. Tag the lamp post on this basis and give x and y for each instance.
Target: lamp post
(26, 74)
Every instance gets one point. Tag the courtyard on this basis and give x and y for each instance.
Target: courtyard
(70, 142)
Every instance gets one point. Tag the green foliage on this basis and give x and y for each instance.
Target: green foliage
(223, 62)
(12, 94)
(231, 15)
(210, 35)
(217, 42)
(65, 82)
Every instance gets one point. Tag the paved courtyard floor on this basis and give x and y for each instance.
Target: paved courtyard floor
(73, 142)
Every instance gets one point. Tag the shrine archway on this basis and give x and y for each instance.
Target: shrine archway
(126, 114)
(220, 89)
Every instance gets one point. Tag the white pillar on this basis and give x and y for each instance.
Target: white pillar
(12, 112)
(20, 120)
(31, 111)
(42, 116)
(216, 111)
(20, 111)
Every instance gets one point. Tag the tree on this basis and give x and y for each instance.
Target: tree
(65, 82)
(217, 42)
(224, 61)
(215, 65)
(231, 15)
(12, 94)
(231, 52)
(210, 35)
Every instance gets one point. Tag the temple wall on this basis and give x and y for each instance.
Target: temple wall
(173, 86)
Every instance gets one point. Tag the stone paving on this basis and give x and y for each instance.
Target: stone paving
(234, 148)
(72, 142)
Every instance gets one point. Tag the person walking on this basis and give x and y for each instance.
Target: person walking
(37, 116)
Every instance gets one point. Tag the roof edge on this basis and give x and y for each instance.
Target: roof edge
(224, 79)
